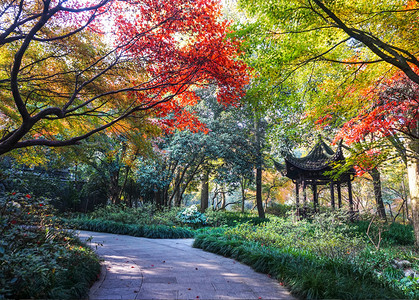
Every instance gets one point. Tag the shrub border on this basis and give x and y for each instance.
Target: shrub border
(148, 231)
(305, 274)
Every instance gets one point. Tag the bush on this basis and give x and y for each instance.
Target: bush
(325, 235)
(192, 216)
(392, 234)
(230, 219)
(320, 258)
(307, 275)
(279, 210)
(146, 214)
(148, 231)
(37, 259)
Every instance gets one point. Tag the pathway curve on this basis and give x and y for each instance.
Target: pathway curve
(141, 268)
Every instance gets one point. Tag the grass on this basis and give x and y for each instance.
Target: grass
(323, 258)
(307, 275)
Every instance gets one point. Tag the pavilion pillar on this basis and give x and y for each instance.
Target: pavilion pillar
(297, 198)
(351, 203)
(315, 197)
(297, 194)
(304, 194)
(339, 195)
(332, 195)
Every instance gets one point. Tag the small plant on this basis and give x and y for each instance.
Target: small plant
(192, 216)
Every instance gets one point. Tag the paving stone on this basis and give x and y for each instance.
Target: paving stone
(141, 268)
(159, 279)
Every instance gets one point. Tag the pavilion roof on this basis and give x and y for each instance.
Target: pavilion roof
(320, 157)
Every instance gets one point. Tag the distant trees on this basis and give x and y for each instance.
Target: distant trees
(188, 160)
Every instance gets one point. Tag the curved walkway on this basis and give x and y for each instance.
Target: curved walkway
(141, 268)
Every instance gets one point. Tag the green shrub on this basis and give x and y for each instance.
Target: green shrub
(392, 234)
(191, 215)
(38, 259)
(279, 210)
(149, 231)
(307, 275)
(325, 235)
(229, 218)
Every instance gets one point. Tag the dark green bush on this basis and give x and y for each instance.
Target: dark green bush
(229, 218)
(278, 209)
(392, 234)
(147, 214)
(149, 231)
(38, 259)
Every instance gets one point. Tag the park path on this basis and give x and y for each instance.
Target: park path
(141, 268)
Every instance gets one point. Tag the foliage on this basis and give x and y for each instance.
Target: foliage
(278, 209)
(318, 259)
(74, 69)
(181, 159)
(325, 235)
(392, 233)
(146, 214)
(148, 231)
(307, 275)
(37, 259)
(230, 218)
(191, 215)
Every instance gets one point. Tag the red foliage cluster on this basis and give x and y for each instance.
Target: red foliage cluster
(393, 108)
(180, 45)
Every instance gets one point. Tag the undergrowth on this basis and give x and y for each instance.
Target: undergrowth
(320, 258)
(37, 258)
(148, 231)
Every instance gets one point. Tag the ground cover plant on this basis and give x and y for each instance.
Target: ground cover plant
(37, 258)
(322, 258)
(151, 222)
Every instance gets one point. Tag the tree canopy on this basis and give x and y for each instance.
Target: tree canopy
(69, 69)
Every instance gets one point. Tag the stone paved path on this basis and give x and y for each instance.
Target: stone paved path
(141, 268)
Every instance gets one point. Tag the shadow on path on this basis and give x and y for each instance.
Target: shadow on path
(141, 268)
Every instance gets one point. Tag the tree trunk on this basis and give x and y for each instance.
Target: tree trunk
(413, 175)
(243, 190)
(204, 191)
(223, 200)
(376, 180)
(259, 203)
(114, 188)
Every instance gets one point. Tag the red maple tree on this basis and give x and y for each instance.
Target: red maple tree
(159, 53)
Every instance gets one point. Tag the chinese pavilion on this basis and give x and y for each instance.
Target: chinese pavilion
(315, 170)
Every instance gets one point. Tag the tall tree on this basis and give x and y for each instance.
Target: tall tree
(69, 69)
(392, 114)
(306, 32)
